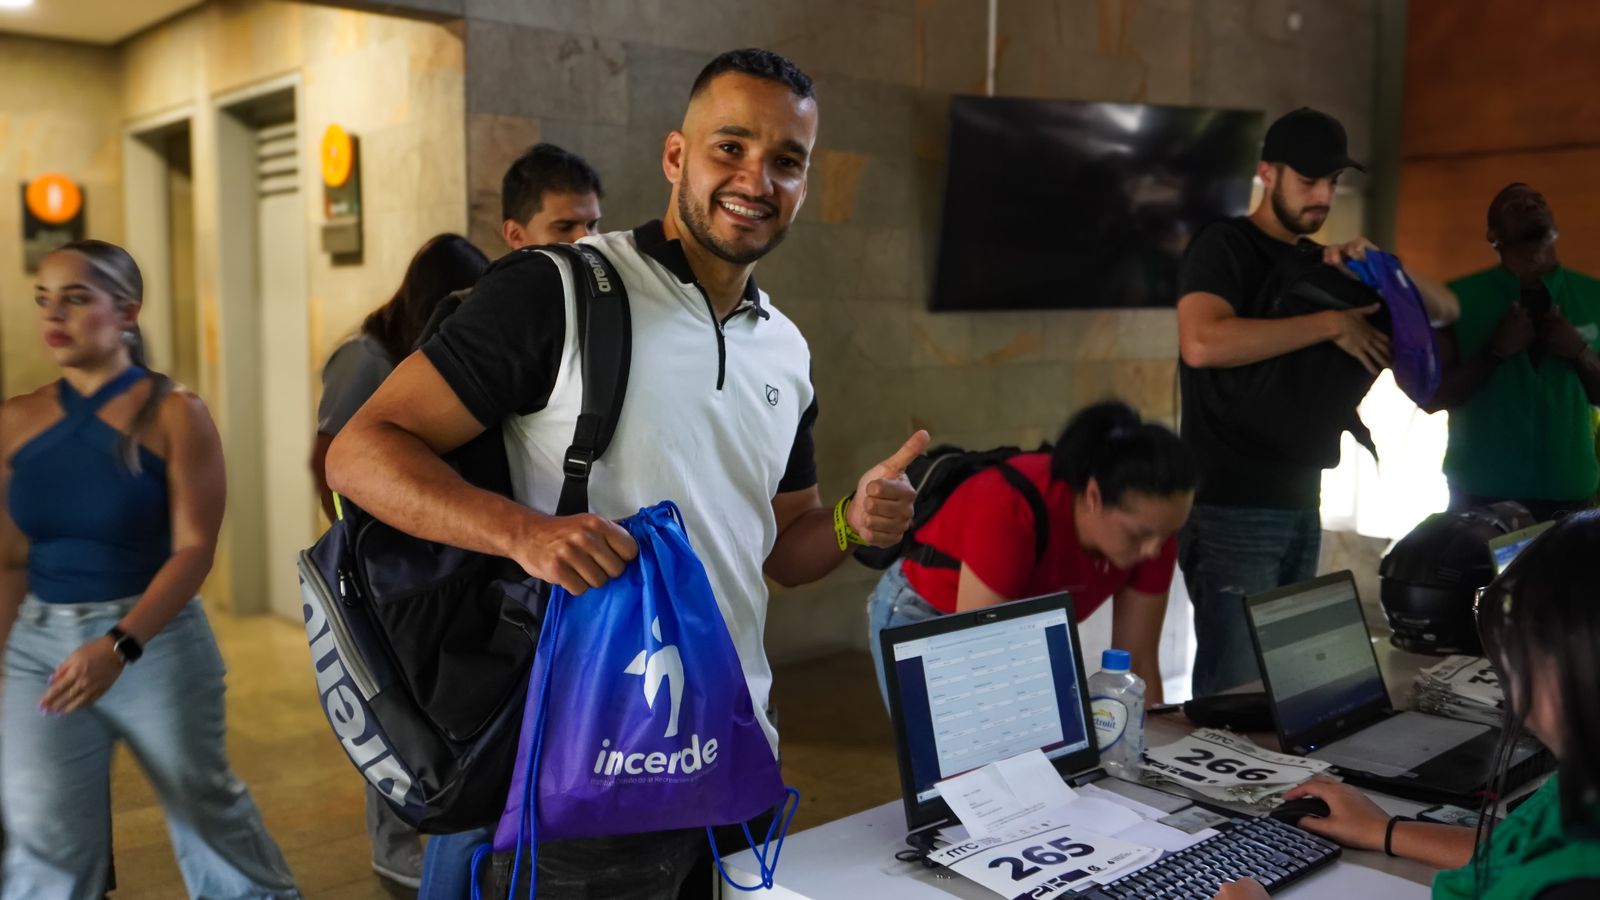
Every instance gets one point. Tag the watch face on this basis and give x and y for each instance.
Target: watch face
(127, 647)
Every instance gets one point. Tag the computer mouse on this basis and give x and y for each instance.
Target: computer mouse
(1292, 811)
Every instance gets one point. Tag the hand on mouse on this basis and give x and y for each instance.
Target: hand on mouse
(1352, 820)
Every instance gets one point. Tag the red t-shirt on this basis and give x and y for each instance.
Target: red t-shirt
(988, 525)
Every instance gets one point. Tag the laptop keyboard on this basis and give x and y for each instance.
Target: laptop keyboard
(1265, 849)
(1399, 744)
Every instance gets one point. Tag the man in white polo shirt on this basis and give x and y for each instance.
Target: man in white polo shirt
(718, 417)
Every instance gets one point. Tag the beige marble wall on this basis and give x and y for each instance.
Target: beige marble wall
(608, 80)
(397, 84)
(58, 113)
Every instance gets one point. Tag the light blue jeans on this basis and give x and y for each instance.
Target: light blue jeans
(55, 772)
(893, 602)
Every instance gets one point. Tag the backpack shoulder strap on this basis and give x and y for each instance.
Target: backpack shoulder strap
(605, 338)
(1041, 515)
(932, 557)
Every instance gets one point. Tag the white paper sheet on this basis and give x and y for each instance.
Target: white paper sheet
(1005, 794)
(1097, 815)
(1163, 837)
(1096, 792)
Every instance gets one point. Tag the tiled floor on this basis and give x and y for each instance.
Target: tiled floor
(837, 750)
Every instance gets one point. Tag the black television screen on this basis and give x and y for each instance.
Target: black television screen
(1056, 203)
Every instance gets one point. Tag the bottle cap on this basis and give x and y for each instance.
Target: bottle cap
(1116, 660)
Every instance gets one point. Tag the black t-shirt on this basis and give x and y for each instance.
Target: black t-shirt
(1234, 259)
(501, 352)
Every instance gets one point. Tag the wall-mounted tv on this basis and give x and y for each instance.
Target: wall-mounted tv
(1064, 204)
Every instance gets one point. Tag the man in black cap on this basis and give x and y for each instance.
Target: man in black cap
(1256, 523)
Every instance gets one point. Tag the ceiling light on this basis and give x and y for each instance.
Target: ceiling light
(15, 4)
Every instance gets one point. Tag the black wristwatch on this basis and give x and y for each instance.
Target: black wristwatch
(126, 645)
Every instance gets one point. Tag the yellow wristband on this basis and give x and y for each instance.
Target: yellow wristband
(842, 531)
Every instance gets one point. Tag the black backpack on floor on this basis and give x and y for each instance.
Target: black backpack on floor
(936, 474)
(422, 650)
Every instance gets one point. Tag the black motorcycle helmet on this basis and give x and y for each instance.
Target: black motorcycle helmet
(1432, 575)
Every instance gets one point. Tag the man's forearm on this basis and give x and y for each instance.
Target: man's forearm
(806, 551)
(393, 475)
(1240, 341)
(1443, 307)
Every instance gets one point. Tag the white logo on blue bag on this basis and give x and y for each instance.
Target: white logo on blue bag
(663, 665)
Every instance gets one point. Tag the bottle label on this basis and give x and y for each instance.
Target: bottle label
(1110, 720)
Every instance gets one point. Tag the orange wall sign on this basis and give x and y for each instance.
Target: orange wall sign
(338, 156)
(54, 199)
(52, 215)
(341, 195)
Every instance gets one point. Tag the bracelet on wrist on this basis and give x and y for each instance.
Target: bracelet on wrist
(842, 532)
(1388, 835)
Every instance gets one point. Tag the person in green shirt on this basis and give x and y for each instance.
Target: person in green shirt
(1521, 372)
(1540, 626)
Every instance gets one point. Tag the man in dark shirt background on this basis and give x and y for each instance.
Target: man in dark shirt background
(1256, 523)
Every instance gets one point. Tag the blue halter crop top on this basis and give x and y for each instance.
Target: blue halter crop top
(96, 530)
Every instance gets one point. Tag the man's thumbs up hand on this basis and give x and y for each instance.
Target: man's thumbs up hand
(881, 510)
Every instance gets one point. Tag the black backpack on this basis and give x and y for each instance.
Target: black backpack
(1296, 406)
(422, 650)
(936, 474)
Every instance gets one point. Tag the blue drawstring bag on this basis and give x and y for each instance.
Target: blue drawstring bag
(638, 717)
(1416, 355)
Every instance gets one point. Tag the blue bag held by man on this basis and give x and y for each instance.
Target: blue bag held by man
(638, 717)
(1416, 355)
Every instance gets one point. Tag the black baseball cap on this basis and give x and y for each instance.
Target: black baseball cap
(1310, 142)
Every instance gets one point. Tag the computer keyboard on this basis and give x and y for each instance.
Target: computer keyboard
(1265, 849)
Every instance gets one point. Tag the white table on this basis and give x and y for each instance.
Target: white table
(854, 857)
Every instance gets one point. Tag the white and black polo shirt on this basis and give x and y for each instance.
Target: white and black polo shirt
(717, 415)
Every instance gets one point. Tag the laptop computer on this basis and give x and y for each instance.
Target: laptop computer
(969, 689)
(1329, 702)
(1506, 547)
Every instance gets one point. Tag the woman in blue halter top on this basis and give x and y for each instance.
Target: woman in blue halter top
(114, 491)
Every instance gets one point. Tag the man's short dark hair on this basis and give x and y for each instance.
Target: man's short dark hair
(544, 168)
(756, 63)
(1500, 199)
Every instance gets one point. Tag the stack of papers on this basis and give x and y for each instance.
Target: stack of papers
(1228, 768)
(1461, 687)
(1028, 834)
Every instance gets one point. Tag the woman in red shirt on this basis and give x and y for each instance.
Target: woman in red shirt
(1115, 491)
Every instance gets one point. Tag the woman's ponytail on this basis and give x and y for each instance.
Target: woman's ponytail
(1109, 443)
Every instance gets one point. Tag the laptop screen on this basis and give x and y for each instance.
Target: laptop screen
(1506, 547)
(971, 689)
(1316, 658)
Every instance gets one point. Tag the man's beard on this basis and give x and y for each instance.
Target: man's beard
(697, 218)
(1289, 221)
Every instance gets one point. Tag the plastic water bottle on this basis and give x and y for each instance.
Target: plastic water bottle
(1116, 696)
